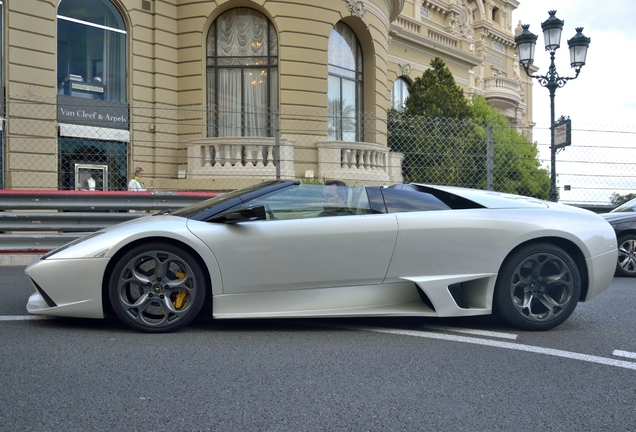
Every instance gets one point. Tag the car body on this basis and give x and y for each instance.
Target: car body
(266, 252)
(623, 220)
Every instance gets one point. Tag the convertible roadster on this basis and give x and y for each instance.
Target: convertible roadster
(283, 249)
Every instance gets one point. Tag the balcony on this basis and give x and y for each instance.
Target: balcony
(502, 92)
(358, 161)
(255, 158)
(408, 23)
(235, 157)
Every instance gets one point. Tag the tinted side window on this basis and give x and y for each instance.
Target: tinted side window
(408, 200)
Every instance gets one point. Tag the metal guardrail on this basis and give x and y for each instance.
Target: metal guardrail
(97, 200)
(35, 243)
(40, 221)
(64, 222)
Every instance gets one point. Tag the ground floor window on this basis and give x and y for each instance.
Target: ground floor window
(92, 164)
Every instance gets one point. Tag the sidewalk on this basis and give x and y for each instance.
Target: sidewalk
(18, 260)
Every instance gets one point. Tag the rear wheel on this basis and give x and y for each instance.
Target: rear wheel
(157, 288)
(626, 264)
(538, 287)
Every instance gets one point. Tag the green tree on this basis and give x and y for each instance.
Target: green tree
(443, 138)
(516, 167)
(617, 199)
(432, 132)
(436, 95)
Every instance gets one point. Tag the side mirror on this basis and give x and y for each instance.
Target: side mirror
(244, 214)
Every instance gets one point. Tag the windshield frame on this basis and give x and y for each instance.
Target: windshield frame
(626, 207)
(223, 201)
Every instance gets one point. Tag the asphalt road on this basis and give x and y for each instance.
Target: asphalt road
(319, 375)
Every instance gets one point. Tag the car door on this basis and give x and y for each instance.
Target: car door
(301, 251)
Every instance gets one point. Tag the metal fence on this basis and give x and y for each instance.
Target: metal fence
(600, 162)
(39, 221)
(186, 147)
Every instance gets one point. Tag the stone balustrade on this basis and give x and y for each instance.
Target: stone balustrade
(358, 161)
(501, 83)
(239, 157)
(250, 157)
(506, 91)
(442, 38)
(408, 23)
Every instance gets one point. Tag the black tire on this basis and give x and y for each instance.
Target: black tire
(538, 287)
(157, 288)
(626, 263)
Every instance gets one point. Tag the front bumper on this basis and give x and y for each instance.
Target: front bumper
(67, 287)
(601, 273)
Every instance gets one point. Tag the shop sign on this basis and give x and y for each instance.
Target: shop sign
(91, 112)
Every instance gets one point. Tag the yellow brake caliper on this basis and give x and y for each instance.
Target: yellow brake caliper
(182, 295)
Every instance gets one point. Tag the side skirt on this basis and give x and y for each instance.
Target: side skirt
(391, 299)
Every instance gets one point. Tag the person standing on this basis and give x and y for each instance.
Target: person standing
(136, 184)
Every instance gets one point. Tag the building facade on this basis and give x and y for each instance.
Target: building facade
(219, 94)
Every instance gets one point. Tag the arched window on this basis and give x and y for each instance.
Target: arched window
(242, 74)
(345, 85)
(399, 93)
(91, 50)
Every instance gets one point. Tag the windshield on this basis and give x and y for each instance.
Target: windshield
(629, 206)
(199, 207)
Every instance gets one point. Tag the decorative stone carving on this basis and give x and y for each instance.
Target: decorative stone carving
(515, 69)
(523, 125)
(452, 23)
(405, 69)
(480, 46)
(469, 34)
(356, 8)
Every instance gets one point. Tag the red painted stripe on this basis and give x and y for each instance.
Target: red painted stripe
(101, 193)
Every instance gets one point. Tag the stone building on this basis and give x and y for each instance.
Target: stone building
(208, 94)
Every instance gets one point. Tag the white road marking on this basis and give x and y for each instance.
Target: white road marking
(23, 317)
(474, 332)
(506, 345)
(625, 354)
(454, 338)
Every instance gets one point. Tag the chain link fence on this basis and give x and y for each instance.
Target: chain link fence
(72, 144)
(600, 162)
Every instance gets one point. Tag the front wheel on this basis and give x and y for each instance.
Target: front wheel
(157, 288)
(538, 287)
(626, 264)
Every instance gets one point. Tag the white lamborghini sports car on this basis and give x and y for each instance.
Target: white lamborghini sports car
(284, 249)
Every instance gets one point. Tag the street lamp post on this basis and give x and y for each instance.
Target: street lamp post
(579, 44)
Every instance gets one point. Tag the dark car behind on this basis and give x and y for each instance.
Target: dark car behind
(623, 220)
